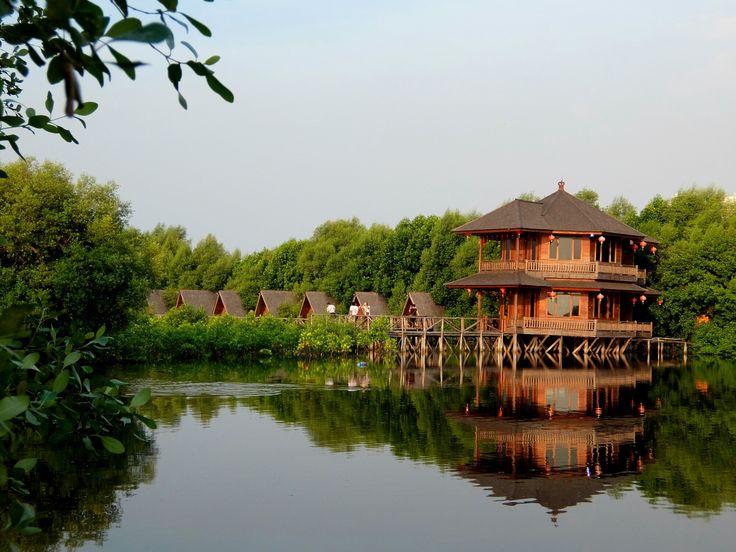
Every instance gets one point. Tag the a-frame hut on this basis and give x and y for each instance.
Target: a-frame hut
(375, 301)
(315, 302)
(155, 304)
(197, 299)
(420, 303)
(228, 302)
(270, 301)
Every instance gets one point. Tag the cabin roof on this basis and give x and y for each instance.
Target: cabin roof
(558, 212)
(229, 302)
(378, 304)
(317, 300)
(424, 304)
(197, 299)
(156, 304)
(273, 299)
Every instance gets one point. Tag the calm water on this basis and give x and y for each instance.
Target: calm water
(346, 457)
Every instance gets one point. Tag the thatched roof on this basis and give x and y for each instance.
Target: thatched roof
(558, 212)
(315, 302)
(197, 299)
(229, 302)
(155, 302)
(424, 304)
(377, 303)
(269, 301)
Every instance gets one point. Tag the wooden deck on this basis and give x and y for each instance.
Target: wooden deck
(569, 269)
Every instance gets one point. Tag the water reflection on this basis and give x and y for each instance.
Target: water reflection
(552, 437)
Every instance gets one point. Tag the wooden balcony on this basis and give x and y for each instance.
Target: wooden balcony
(577, 328)
(582, 270)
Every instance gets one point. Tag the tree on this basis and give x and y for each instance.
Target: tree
(66, 246)
(588, 196)
(69, 38)
(623, 210)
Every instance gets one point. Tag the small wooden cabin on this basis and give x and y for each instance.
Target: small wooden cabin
(566, 269)
(229, 302)
(197, 299)
(376, 302)
(155, 304)
(270, 301)
(420, 303)
(315, 302)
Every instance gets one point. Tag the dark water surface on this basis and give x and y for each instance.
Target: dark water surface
(346, 457)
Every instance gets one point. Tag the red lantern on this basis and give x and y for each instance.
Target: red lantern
(634, 247)
(643, 298)
(503, 291)
(633, 300)
(660, 301)
(643, 244)
(653, 250)
(469, 291)
(553, 294)
(599, 297)
(602, 239)
(551, 237)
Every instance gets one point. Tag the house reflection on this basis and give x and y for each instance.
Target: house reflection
(557, 437)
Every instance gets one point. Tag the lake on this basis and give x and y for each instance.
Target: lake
(348, 456)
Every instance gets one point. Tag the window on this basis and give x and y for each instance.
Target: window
(564, 304)
(565, 249)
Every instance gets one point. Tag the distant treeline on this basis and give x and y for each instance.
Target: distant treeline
(67, 246)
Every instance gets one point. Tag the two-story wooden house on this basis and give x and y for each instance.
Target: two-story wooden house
(566, 269)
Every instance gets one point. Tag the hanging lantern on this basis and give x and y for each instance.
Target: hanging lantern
(552, 294)
(599, 297)
(602, 239)
(653, 250)
(469, 291)
(634, 247)
(633, 300)
(503, 291)
(643, 298)
(551, 237)
(643, 244)
(660, 301)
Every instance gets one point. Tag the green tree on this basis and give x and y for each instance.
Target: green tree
(66, 246)
(623, 210)
(589, 196)
(77, 39)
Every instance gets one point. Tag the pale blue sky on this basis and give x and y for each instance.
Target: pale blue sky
(390, 109)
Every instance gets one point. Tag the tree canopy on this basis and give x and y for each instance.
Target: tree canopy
(73, 40)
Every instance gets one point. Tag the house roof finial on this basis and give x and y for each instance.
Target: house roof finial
(561, 185)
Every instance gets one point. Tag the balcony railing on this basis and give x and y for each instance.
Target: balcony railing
(569, 269)
(579, 328)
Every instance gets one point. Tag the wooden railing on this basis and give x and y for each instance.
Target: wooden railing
(573, 327)
(567, 269)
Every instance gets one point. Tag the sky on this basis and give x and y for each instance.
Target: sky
(384, 110)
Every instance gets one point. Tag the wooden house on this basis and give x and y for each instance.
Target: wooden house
(197, 299)
(229, 302)
(566, 269)
(155, 304)
(376, 302)
(270, 301)
(315, 302)
(420, 303)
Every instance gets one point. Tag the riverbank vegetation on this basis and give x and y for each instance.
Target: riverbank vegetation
(66, 246)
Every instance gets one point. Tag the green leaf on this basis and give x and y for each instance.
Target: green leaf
(220, 89)
(148, 421)
(38, 121)
(26, 464)
(201, 27)
(72, 358)
(141, 397)
(61, 381)
(123, 6)
(182, 101)
(87, 442)
(87, 108)
(123, 27)
(10, 407)
(190, 48)
(170, 5)
(30, 360)
(49, 102)
(153, 33)
(21, 513)
(174, 71)
(112, 445)
(100, 332)
(212, 60)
